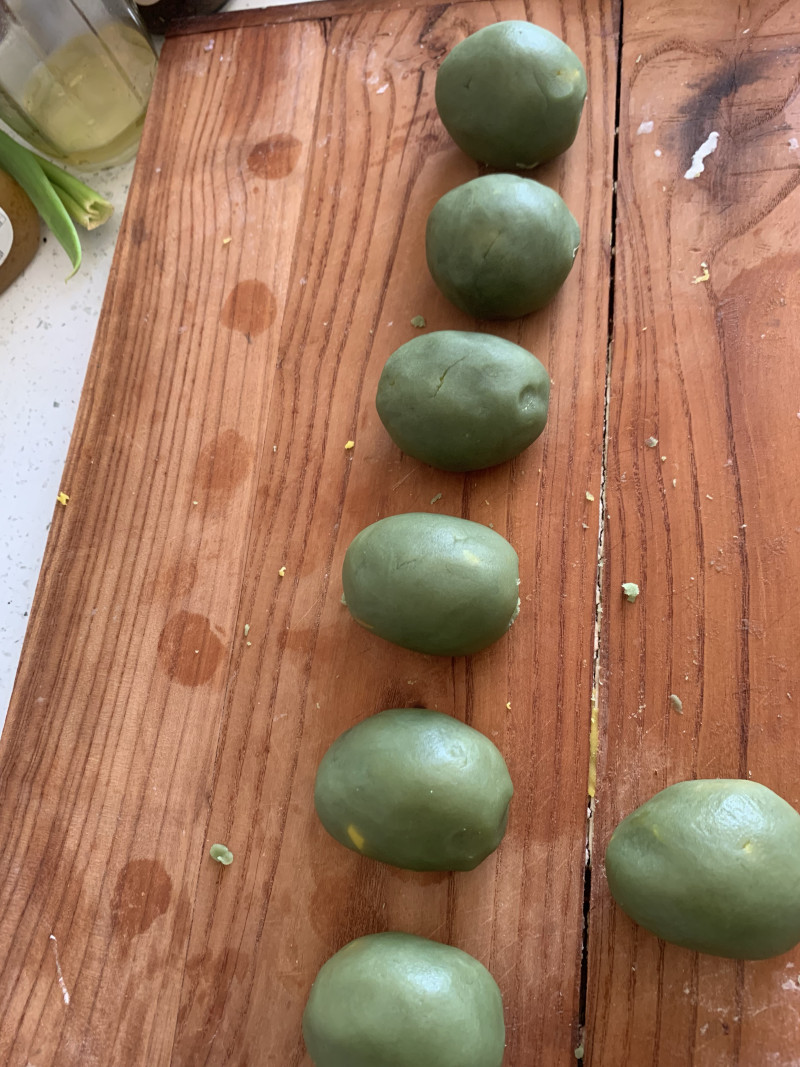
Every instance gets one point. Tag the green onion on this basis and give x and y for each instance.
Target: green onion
(87, 207)
(56, 195)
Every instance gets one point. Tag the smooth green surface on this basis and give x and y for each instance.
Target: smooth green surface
(712, 865)
(501, 246)
(463, 401)
(394, 1000)
(511, 95)
(432, 583)
(415, 788)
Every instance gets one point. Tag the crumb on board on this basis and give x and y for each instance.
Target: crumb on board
(349, 445)
(435, 498)
(282, 572)
(418, 322)
(630, 590)
(227, 240)
(508, 705)
(651, 442)
(674, 483)
(676, 702)
(63, 498)
(702, 277)
(246, 629)
(222, 854)
(589, 496)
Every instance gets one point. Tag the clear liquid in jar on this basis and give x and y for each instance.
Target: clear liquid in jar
(89, 97)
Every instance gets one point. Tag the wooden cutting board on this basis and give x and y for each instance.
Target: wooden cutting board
(188, 659)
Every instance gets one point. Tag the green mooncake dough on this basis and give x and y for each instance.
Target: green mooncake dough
(501, 246)
(463, 401)
(432, 583)
(415, 788)
(511, 95)
(712, 865)
(395, 1000)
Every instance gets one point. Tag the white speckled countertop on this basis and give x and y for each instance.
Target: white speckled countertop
(46, 332)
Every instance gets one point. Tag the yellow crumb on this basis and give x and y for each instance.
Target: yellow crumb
(227, 240)
(508, 705)
(349, 445)
(282, 572)
(589, 496)
(594, 743)
(702, 277)
(62, 498)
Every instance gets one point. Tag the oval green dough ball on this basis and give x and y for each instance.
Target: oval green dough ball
(511, 95)
(395, 1000)
(501, 246)
(432, 583)
(415, 788)
(712, 865)
(463, 401)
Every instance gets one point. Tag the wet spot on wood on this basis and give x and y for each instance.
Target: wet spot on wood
(141, 894)
(276, 157)
(223, 464)
(249, 308)
(188, 650)
(173, 579)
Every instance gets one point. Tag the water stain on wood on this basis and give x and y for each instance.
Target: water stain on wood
(173, 579)
(276, 157)
(224, 463)
(141, 894)
(188, 650)
(249, 308)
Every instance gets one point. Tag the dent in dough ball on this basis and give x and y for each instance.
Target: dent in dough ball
(511, 95)
(501, 246)
(712, 865)
(463, 401)
(396, 1000)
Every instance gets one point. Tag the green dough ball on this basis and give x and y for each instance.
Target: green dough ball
(712, 865)
(415, 788)
(395, 1000)
(501, 246)
(433, 583)
(511, 95)
(463, 401)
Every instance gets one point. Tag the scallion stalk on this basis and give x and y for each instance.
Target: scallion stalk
(57, 196)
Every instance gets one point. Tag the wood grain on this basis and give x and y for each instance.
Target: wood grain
(707, 521)
(226, 378)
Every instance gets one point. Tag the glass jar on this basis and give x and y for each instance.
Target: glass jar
(75, 78)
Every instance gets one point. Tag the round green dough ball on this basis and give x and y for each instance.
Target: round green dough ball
(395, 1000)
(415, 788)
(712, 865)
(432, 583)
(511, 95)
(501, 246)
(463, 401)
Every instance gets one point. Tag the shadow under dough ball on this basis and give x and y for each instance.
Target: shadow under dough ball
(501, 246)
(511, 95)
